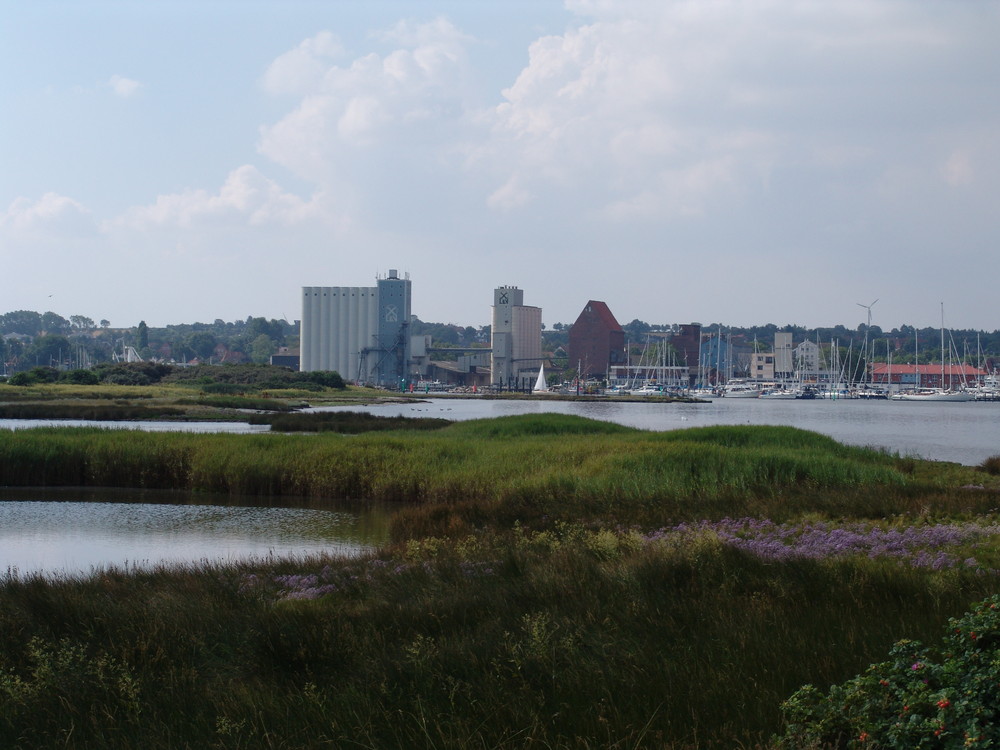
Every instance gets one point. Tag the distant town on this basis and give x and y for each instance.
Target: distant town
(369, 335)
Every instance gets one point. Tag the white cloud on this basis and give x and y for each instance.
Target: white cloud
(51, 215)
(411, 94)
(301, 70)
(247, 198)
(124, 87)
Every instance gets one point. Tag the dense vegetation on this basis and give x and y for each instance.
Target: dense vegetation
(208, 378)
(29, 339)
(552, 582)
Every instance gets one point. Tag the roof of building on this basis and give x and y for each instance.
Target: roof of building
(603, 312)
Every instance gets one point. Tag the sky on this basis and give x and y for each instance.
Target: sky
(715, 161)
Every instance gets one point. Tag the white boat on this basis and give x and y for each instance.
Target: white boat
(647, 390)
(740, 389)
(935, 394)
(703, 393)
(938, 394)
(780, 394)
(871, 394)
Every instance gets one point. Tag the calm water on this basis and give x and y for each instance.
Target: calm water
(68, 532)
(966, 433)
(238, 427)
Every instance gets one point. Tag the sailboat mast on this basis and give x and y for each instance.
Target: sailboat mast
(942, 346)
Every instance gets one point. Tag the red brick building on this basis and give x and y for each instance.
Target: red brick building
(596, 341)
(927, 376)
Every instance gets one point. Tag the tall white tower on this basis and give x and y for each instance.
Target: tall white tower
(517, 339)
(505, 299)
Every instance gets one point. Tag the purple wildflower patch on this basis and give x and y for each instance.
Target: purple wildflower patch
(334, 579)
(918, 546)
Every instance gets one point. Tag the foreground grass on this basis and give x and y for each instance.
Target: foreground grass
(542, 590)
(573, 642)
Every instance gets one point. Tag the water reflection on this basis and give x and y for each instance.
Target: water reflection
(51, 534)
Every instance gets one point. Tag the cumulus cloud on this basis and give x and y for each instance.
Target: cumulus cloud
(246, 198)
(51, 215)
(660, 109)
(410, 93)
(301, 70)
(123, 87)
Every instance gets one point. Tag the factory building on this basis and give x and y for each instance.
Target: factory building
(596, 342)
(360, 332)
(516, 339)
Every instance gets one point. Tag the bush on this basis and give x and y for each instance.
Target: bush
(991, 465)
(133, 373)
(327, 379)
(34, 376)
(126, 378)
(80, 377)
(946, 699)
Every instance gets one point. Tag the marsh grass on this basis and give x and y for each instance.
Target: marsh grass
(539, 592)
(91, 411)
(345, 422)
(566, 639)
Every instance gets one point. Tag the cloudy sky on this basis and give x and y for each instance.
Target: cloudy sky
(770, 161)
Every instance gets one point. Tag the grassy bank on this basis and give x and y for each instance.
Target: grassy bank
(553, 582)
(190, 399)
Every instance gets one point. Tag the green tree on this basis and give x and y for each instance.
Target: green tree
(53, 323)
(25, 322)
(202, 343)
(142, 335)
(81, 322)
(262, 349)
(48, 350)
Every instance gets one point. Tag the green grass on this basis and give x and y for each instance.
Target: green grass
(520, 604)
(552, 642)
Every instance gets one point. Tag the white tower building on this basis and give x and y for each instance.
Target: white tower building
(516, 339)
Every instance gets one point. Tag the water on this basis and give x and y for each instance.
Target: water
(74, 532)
(237, 427)
(966, 433)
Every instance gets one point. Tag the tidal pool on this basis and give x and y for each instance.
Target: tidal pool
(72, 533)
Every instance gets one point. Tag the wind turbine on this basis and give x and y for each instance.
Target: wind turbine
(869, 309)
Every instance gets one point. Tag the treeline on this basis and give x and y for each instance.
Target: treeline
(30, 339)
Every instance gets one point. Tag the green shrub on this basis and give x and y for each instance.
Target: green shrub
(79, 377)
(991, 465)
(919, 698)
(35, 375)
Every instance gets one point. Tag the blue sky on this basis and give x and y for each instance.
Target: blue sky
(706, 160)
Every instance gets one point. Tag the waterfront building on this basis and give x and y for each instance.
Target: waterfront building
(516, 339)
(908, 377)
(808, 363)
(596, 342)
(360, 332)
(784, 360)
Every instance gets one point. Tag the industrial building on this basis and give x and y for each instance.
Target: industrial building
(596, 342)
(516, 340)
(360, 332)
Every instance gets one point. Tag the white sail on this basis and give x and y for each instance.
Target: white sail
(540, 385)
